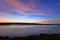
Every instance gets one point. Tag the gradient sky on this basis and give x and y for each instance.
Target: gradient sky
(40, 11)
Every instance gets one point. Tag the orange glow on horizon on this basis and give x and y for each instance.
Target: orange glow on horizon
(28, 21)
(17, 21)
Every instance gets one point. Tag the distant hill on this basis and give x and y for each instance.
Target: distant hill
(19, 24)
(26, 24)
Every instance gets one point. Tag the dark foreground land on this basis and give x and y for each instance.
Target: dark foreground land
(34, 37)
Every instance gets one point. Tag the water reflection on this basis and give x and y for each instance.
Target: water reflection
(24, 30)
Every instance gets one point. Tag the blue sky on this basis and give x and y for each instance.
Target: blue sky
(29, 10)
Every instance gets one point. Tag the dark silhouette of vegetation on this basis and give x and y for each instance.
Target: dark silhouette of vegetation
(34, 37)
(26, 24)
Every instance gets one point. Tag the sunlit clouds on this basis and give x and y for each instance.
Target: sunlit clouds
(24, 9)
(19, 7)
(16, 21)
(27, 10)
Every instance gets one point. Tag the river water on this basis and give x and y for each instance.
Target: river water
(25, 30)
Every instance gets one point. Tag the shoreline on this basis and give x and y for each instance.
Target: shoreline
(25, 24)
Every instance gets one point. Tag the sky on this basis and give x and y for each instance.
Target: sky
(39, 11)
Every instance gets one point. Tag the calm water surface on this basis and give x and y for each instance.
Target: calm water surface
(25, 30)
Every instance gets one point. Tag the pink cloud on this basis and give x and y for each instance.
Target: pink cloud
(24, 9)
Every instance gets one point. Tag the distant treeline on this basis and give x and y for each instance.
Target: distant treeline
(34, 37)
(26, 24)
